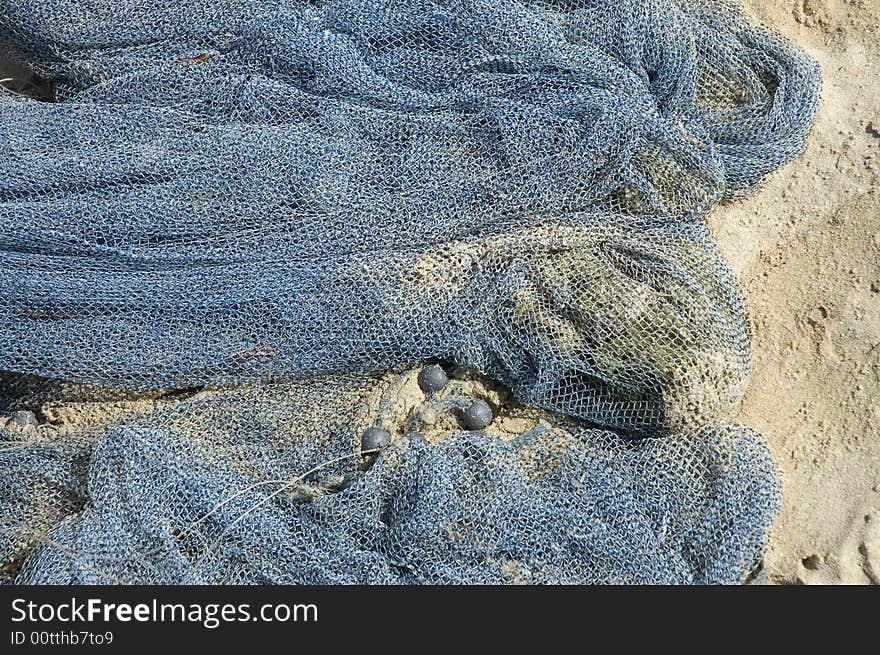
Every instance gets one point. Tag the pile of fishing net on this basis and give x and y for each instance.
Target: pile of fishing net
(234, 232)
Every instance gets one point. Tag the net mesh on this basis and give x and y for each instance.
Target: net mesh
(232, 211)
(203, 491)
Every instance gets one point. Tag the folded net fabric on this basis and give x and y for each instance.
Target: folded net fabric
(248, 194)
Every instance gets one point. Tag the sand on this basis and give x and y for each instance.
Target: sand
(807, 247)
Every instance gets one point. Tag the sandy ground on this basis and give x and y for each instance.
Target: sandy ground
(807, 247)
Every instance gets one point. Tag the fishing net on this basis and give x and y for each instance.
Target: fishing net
(231, 212)
(202, 491)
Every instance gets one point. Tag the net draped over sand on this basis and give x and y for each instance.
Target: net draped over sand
(266, 206)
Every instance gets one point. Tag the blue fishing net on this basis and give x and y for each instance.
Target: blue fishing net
(264, 485)
(255, 203)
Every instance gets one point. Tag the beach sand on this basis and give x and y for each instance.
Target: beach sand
(807, 248)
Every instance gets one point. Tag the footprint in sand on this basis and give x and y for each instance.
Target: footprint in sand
(856, 561)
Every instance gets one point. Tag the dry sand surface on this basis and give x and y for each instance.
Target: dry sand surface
(807, 247)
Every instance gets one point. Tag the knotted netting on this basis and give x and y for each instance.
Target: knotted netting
(239, 224)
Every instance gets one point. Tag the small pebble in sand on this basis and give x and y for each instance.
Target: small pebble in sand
(433, 378)
(374, 439)
(22, 420)
(477, 416)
